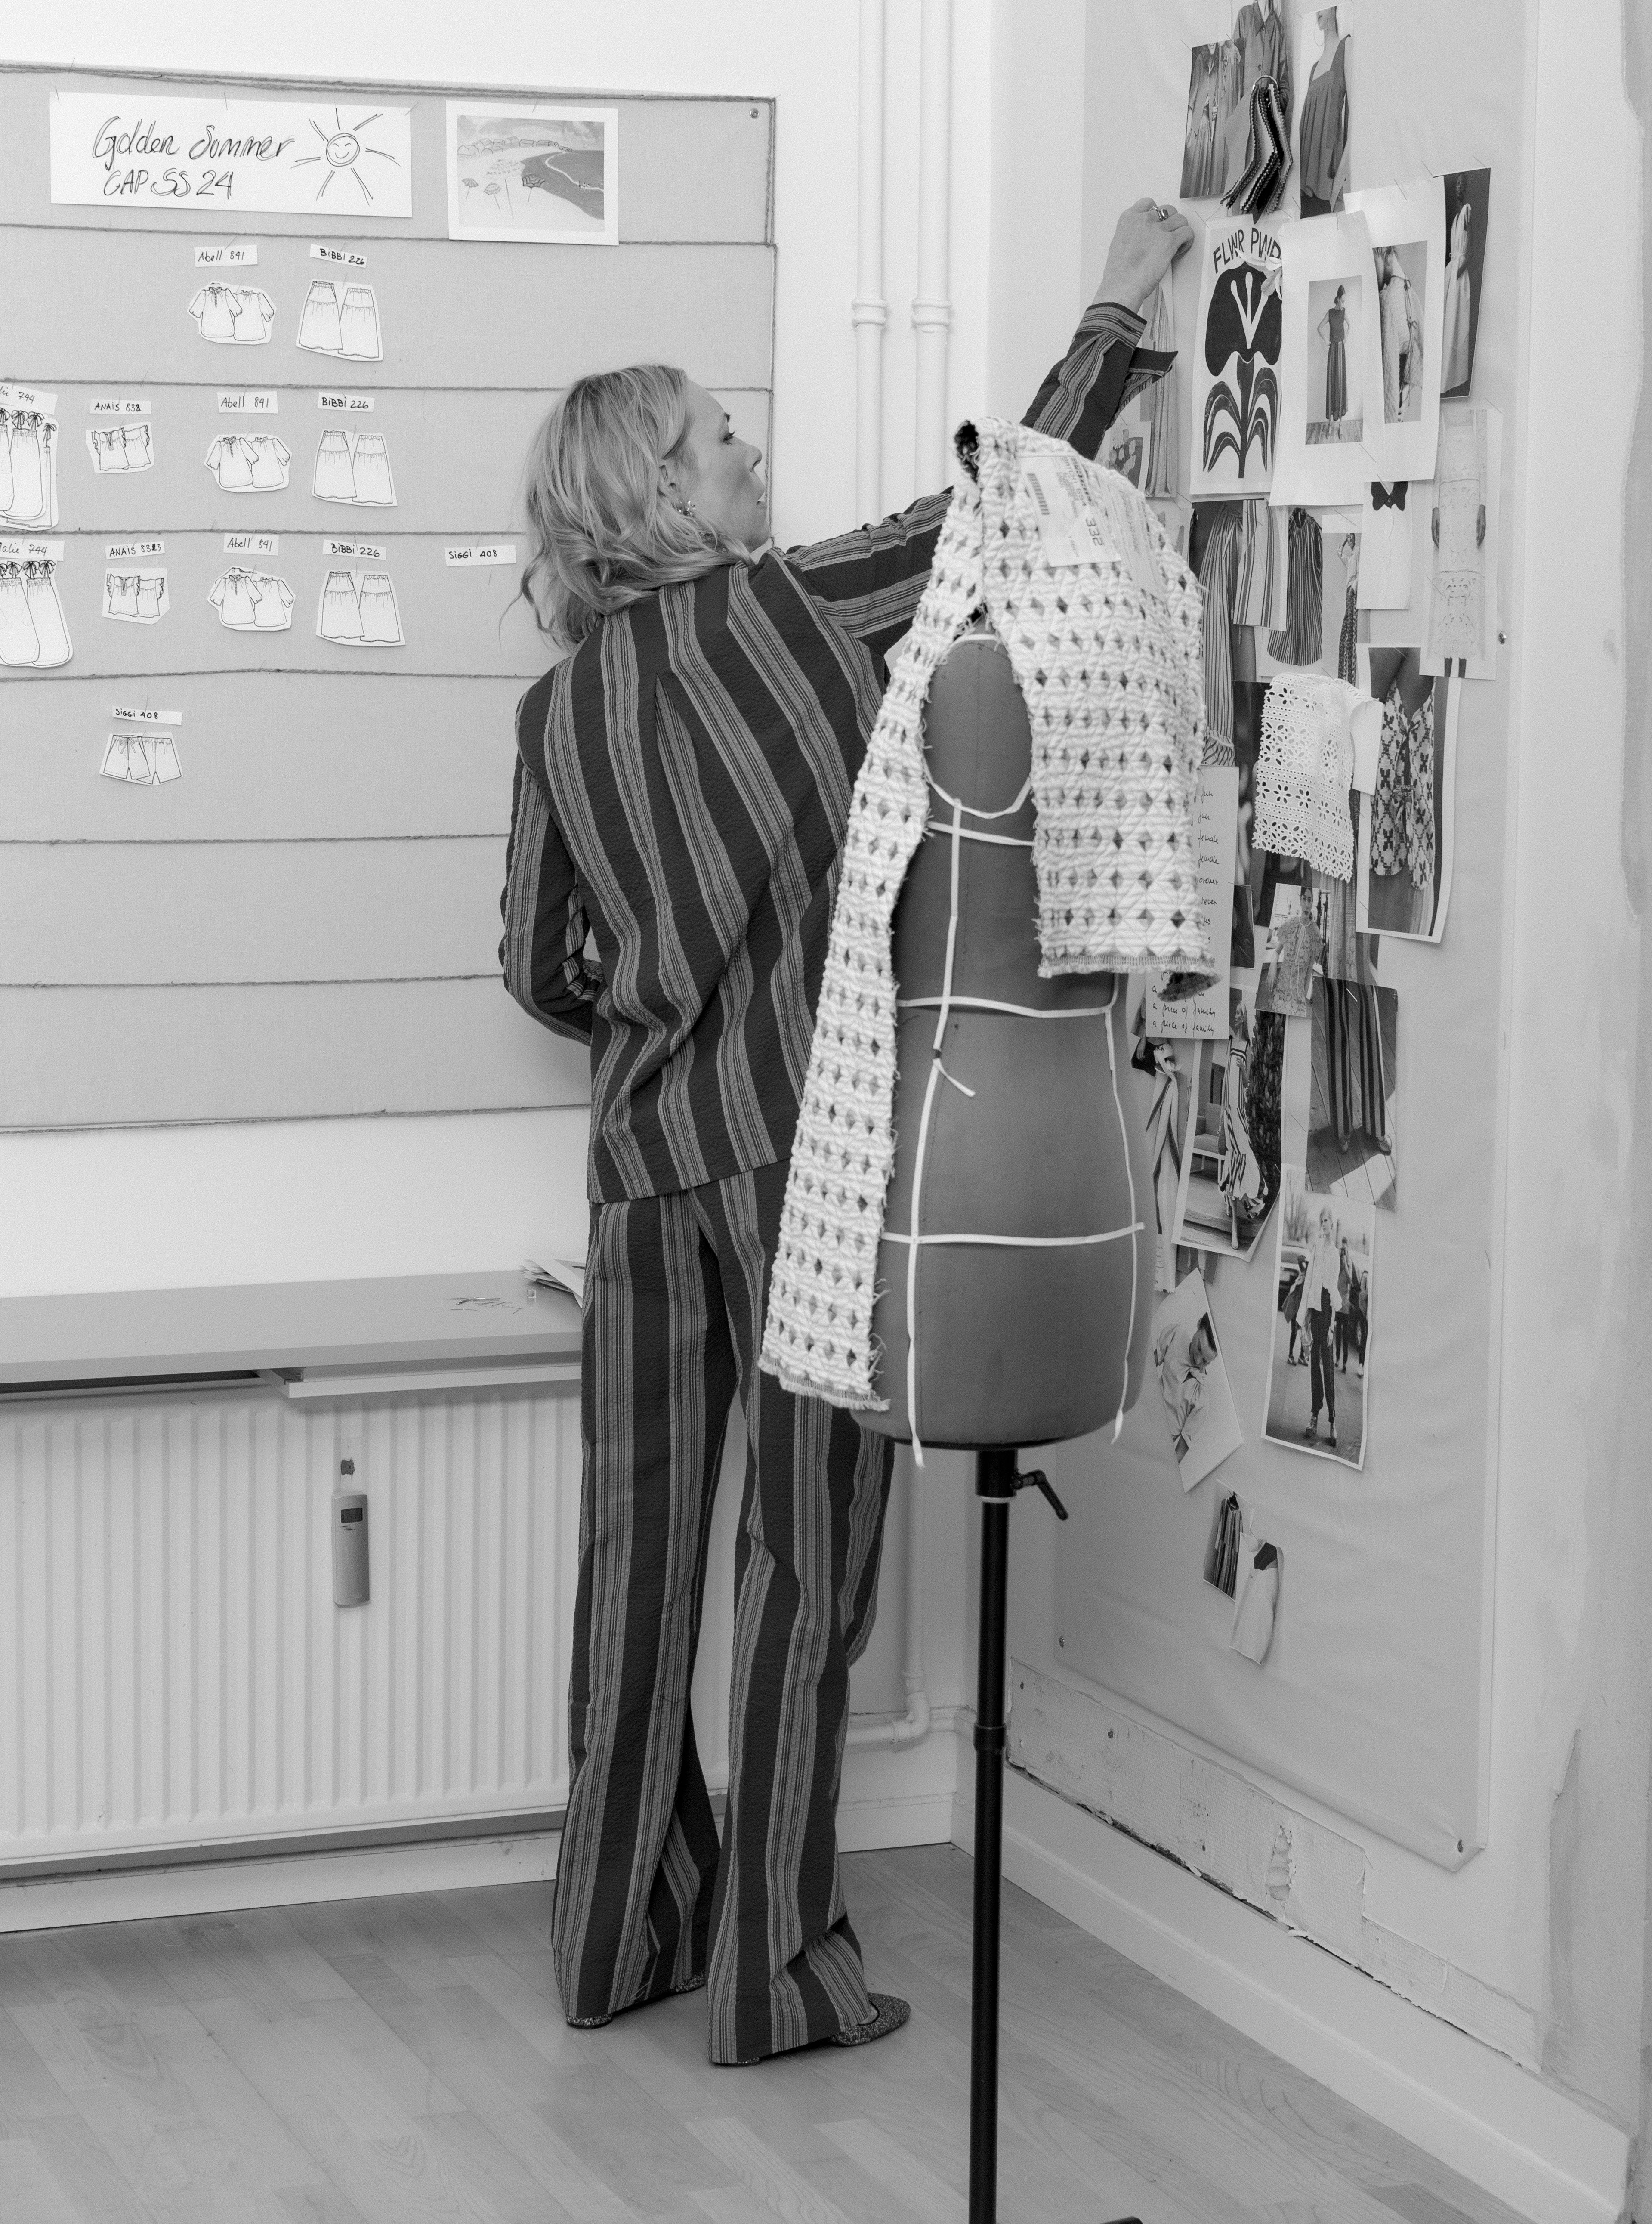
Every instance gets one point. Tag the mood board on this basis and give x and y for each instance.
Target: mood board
(1289, 1554)
(274, 354)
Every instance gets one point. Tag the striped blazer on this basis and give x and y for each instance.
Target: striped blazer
(681, 788)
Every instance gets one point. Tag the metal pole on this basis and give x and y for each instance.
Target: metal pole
(995, 1488)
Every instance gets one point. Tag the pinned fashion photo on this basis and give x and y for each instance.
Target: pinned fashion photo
(1214, 84)
(1331, 379)
(1171, 1069)
(1256, 1597)
(1406, 832)
(1387, 544)
(1467, 211)
(1319, 1364)
(1322, 137)
(1230, 1168)
(1407, 254)
(1352, 1087)
(1192, 1383)
(533, 173)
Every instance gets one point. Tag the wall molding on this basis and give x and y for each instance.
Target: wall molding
(1471, 2107)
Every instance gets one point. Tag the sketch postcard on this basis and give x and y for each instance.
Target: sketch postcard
(1408, 241)
(1236, 361)
(1319, 1369)
(1193, 1382)
(1465, 213)
(1330, 377)
(1460, 550)
(1403, 869)
(1230, 1168)
(525, 171)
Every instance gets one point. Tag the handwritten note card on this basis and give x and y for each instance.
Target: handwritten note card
(1204, 1015)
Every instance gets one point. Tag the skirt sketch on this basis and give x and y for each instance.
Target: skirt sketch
(334, 480)
(318, 327)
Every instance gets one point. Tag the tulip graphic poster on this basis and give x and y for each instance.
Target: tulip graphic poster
(1236, 361)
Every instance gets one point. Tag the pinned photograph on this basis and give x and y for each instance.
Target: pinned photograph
(1214, 81)
(1466, 212)
(1171, 1069)
(543, 175)
(1388, 545)
(1323, 133)
(1352, 1087)
(1319, 1369)
(1193, 1382)
(1331, 379)
(1406, 825)
(1230, 1168)
(1256, 1597)
(1407, 245)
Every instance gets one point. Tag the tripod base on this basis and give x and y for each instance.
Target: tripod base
(996, 1484)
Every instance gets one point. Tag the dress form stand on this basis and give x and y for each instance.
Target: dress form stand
(1017, 1263)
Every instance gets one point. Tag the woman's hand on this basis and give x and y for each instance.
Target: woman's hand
(1146, 243)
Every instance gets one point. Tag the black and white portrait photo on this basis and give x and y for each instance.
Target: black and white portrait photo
(1319, 1368)
(1336, 396)
(1468, 202)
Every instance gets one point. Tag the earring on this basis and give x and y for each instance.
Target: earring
(688, 508)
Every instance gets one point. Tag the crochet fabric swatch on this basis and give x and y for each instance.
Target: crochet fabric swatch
(1113, 678)
(1305, 770)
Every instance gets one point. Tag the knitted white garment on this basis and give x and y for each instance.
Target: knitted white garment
(1113, 682)
(1304, 770)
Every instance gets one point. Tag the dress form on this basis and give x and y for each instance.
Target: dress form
(1015, 1343)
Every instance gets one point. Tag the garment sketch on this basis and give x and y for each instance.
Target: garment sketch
(359, 608)
(141, 759)
(1460, 302)
(1323, 145)
(234, 316)
(46, 610)
(29, 472)
(243, 463)
(355, 470)
(341, 321)
(1456, 626)
(138, 596)
(252, 602)
(112, 448)
(19, 642)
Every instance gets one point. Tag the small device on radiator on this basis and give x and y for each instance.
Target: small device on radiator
(349, 1586)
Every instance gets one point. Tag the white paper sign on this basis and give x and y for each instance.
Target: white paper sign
(1082, 520)
(488, 552)
(333, 404)
(124, 716)
(32, 552)
(346, 257)
(115, 550)
(1206, 1015)
(119, 405)
(248, 401)
(252, 544)
(130, 149)
(14, 396)
(226, 258)
(371, 550)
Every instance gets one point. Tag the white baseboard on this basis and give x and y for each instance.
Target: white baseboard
(1458, 2100)
(288, 1880)
(900, 1797)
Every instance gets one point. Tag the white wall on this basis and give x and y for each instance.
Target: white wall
(1541, 1932)
(141, 1208)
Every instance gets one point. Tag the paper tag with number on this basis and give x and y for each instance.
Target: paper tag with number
(1082, 522)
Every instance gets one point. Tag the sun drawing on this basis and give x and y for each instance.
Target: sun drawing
(343, 151)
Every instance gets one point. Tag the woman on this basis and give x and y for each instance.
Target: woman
(680, 801)
(1333, 331)
(1322, 1295)
(1459, 303)
(1322, 140)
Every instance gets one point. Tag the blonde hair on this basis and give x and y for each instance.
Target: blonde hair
(603, 533)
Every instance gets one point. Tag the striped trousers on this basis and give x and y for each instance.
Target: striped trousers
(647, 1901)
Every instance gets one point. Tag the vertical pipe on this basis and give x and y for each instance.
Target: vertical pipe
(932, 305)
(869, 310)
(995, 1488)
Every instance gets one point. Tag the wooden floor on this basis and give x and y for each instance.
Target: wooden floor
(406, 2059)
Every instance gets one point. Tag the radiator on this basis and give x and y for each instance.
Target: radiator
(174, 1672)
